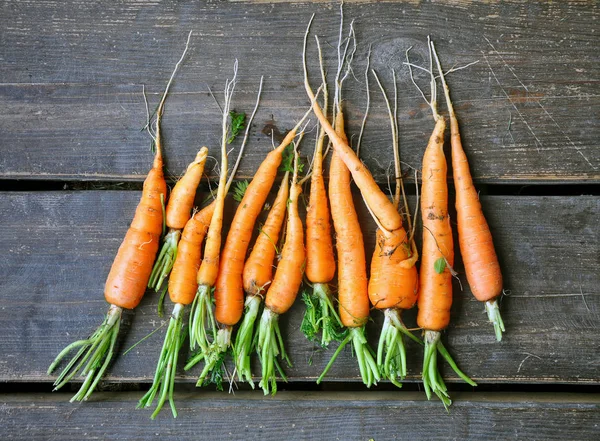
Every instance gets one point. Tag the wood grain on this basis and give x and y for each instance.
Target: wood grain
(59, 246)
(72, 73)
(305, 416)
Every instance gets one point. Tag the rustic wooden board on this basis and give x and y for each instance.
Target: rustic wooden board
(58, 247)
(72, 73)
(305, 416)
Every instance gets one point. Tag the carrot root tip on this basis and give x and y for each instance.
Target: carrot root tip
(164, 262)
(201, 318)
(270, 346)
(164, 377)
(244, 341)
(493, 312)
(93, 356)
(321, 316)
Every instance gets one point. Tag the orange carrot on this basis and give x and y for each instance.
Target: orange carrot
(394, 280)
(352, 270)
(229, 293)
(283, 290)
(257, 275)
(375, 199)
(128, 276)
(435, 282)
(178, 212)
(183, 284)
(321, 315)
(474, 236)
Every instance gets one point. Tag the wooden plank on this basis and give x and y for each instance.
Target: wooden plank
(72, 74)
(59, 247)
(305, 416)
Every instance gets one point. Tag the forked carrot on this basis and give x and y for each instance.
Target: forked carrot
(393, 283)
(183, 284)
(128, 277)
(474, 236)
(178, 212)
(257, 275)
(283, 290)
(435, 283)
(321, 315)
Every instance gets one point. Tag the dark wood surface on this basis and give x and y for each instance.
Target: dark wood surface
(72, 106)
(305, 416)
(71, 76)
(60, 246)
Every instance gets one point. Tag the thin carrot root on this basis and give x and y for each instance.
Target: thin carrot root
(164, 378)
(365, 356)
(391, 353)
(245, 338)
(270, 346)
(165, 260)
(493, 311)
(201, 318)
(321, 316)
(97, 351)
(432, 380)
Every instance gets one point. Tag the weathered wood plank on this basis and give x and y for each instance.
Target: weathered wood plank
(72, 74)
(59, 246)
(305, 416)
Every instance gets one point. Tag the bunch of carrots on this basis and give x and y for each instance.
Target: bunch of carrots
(263, 285)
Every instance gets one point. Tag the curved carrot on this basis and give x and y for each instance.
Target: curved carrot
(229, 293)
(178, 212)
(474, 237)
(182, 282)
(283, 290)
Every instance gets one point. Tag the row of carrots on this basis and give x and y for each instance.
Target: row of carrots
(242, 285)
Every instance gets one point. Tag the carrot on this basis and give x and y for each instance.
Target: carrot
(178, 212)
(128, 276)
(283, 290)
(435, 283)
(394, 281)
(257, 275)
(474, 236)
(352, 269)
(183, 283)
(321, 315)
(375, 199)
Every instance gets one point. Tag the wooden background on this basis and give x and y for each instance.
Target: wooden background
(71, 79)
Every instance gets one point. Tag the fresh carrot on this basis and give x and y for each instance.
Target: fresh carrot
(352, 268)
(474, 236)
(435, 283)
(321, 315)
(377, 201)
(183, 282)
(394, 281)
(283, 290)
(257, 275)
(178, 212)
(128, 277)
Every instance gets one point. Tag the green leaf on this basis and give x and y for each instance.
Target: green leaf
(287, 159)
(440, 265)
(238, 122)
(240, 190)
